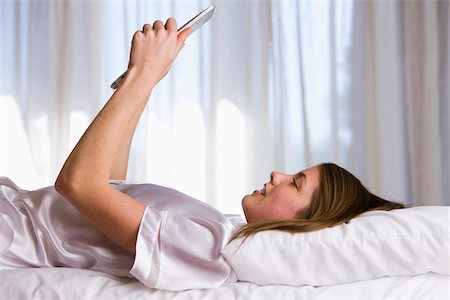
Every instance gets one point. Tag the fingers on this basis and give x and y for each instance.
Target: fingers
(171, 24)
(146, 28)
(158, 25)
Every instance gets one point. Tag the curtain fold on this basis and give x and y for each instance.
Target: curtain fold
(423, 64)
(443, 25)
(385, 136)
(265, 85)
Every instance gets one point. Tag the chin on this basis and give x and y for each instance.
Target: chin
(245, 199)
(243, 202)
(244, 207)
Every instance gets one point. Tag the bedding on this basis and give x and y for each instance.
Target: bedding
(375, 244)
(65, 283)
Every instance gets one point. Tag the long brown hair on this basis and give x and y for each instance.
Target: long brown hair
(339, 198)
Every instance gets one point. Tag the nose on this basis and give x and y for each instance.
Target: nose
(276, 178)
(272, 176)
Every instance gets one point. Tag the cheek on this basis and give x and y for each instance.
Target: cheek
(271, 208)
(285, 207)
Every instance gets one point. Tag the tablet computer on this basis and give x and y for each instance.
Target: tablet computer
(195, 23)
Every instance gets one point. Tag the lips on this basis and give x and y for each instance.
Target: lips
(263, 191)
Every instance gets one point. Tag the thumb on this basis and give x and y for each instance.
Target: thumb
(182, 37)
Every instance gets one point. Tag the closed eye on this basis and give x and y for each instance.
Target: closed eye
(297, 177)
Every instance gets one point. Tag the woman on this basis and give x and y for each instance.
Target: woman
(160, 236)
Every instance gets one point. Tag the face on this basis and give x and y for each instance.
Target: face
(283, 197)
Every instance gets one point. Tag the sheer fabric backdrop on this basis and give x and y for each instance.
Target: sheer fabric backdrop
(266, 85)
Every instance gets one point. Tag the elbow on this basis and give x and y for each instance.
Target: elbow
(68, 184)
(75, 185)
(64, 184)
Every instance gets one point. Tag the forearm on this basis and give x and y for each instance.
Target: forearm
(120, 167)
(93, 158)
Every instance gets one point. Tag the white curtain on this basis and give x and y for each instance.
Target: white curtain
(407, 100)
(266, 85)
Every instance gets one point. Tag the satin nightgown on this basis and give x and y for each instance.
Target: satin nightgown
(178, 245)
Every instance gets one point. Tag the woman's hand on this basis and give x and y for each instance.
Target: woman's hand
(154, 49)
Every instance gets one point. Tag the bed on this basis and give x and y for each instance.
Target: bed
(401, 254)
(65, 283)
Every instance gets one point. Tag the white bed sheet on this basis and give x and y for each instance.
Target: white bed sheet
(66, 283)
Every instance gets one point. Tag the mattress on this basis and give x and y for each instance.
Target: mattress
(67, 283)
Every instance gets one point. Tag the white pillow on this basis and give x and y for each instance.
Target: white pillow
(375, 244)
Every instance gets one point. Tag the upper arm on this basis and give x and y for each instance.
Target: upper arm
(174, 252)
(114, 213)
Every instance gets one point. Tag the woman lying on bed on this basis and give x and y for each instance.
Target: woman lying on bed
(160, 236)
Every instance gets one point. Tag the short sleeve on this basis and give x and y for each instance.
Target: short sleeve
(175, 253)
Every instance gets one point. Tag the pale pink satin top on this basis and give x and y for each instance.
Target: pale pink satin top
(178, 245)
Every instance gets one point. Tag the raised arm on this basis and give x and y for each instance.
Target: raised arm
(120, 166)
(83, 179)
